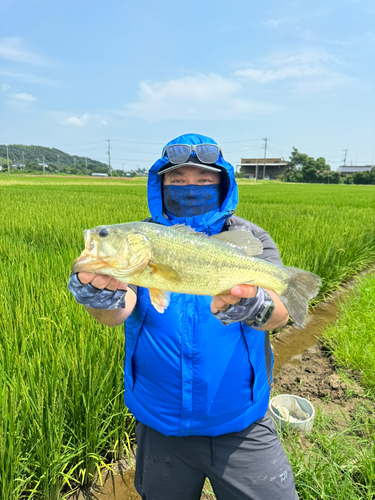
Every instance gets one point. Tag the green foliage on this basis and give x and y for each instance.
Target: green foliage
(240, 175)
(303, 168)
(61, 373)
(340, 463)
(35, 154)
(331, 463)
(351, 338)
(361, 177)
(4, 162)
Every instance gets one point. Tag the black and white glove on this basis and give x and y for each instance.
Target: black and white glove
(96, 298)
(253, 312)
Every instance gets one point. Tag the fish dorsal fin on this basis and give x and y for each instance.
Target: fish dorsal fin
(182, 228)
(165, 271)
(242, 241)
(159, 299)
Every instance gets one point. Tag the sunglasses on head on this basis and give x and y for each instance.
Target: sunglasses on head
(180, 153)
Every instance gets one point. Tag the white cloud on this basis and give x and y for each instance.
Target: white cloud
(104, 123)
(287, 20)
(24, 97)
(5, 87)
(201, 97)
(27, 78)
(12, 49)
(308, 71)
(76, 121)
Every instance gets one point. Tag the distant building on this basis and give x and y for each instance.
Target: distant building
(44, 165)
(18, 165)
(348, 170)
(95, 174)
(254, 167)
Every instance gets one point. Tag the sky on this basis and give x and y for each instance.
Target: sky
(74, 74)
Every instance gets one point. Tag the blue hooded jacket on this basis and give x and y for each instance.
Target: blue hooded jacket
(186, 373)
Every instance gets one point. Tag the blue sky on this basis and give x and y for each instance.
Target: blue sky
(302, 74)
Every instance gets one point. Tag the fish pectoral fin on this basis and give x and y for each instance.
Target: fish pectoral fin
(244, 241)
(182, 228)
(166, 272)
(159, 299)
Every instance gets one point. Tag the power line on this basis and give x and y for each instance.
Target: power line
(235, 142)
(131, 159)
(135, 142)
(301, 147)
(132, 151)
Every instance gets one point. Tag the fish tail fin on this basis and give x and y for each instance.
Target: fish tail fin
(302, 287)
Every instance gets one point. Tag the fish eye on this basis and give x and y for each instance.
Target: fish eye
(103, 232)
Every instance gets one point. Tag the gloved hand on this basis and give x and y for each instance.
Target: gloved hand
(245, 310)
(88, 295)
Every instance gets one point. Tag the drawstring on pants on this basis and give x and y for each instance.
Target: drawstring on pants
(213, 457)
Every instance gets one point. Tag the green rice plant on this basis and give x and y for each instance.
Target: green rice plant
(330, 463)
(61, 373)
(352, 337)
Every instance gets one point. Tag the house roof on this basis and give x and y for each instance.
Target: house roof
(349, 169)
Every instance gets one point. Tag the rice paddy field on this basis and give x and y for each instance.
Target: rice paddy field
(62, 415)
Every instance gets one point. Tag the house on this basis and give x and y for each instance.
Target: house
(258, 168)
(97, 174)
(348, 170)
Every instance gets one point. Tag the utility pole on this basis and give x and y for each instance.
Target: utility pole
(356, 158)
(23, 160)
(265, 154)
(44, 169)
(58, 162)
(8, 159)
(256, 170)
(86, 165)
(109, 156)
(346, 152)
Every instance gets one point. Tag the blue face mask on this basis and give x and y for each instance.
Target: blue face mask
(191, 200)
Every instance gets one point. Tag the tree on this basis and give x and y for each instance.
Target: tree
(303, 168)
(240, 175)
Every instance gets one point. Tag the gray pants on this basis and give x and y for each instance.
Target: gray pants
(246, 465)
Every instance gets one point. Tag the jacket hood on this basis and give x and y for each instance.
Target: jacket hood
(211, 222)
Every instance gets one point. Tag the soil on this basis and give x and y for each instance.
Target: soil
(314, 375)
(118, 484)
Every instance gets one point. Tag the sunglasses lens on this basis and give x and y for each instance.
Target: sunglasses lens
(207, 153)
(178, 153)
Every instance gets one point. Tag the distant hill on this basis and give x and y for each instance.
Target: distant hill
(34, 154)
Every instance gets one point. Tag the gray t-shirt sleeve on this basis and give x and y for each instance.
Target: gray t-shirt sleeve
(134, 288)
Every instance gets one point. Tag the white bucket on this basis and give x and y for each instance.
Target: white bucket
(291, 411)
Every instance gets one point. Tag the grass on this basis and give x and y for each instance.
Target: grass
(338, 461)
(61, 391)
(352, 337)
(334, 464)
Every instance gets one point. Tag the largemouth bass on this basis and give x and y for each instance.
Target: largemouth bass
(178, 259)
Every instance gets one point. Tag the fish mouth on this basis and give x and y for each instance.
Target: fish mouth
(89, 261)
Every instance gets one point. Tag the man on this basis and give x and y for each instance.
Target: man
(197, 378)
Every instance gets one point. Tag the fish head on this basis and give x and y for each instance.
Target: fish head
(113, 250)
